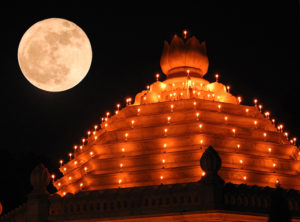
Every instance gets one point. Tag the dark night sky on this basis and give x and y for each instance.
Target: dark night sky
(255, 50)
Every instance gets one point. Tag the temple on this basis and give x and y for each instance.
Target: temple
(184, 149)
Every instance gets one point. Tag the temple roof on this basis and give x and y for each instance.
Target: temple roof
(160, 137)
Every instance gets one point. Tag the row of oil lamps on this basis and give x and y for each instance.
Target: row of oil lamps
(129, 102)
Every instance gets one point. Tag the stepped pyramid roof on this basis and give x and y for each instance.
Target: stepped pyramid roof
(160, 137)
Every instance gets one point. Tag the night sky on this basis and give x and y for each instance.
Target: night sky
(254, 49)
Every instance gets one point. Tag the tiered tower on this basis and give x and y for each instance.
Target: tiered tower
(160, 138)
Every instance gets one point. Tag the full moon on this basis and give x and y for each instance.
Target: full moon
(54, 54)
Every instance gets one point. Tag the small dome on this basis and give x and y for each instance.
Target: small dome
(180, 55)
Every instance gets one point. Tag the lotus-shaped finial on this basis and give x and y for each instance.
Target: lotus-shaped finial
(180, 56)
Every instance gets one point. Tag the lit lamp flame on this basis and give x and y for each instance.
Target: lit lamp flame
(91, 153)
(273, 121)
(234, 131)
(121, 165)
(197, 115)
(61, 162)
(219, 107)
(255, 123)
(245, 178)
(228, 89)
(126, 136)
(132, 123)
(270, 149)
(165, 131)
(185, 32)
(203, 174)
(172, 107)
(118, 106)
(70, 155)
(200, 126)
(169, 119)
(53, 177)
(255, 102)
(157, 76)
(239, 99)
(267, 114)
(247, 111)
(120, 181)
(107, 114)
(123, 150)
(226, 119)
(138, 111)
(238, 146)
(217, 77)
(88, 133)
(260, 107)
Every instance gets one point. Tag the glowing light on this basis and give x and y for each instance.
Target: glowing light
(132, 123)
(185, 32)
(145, 97)
(260, 107)
(241, 161)
(85, 169)
(161, 177)
(247, 110)
(239, 99)
(121, 165)
(81, 185)
(228, 89)
(226, 118)
(138, 111)
(70, 155)
(75, 163)
(195, 103)
(273, 121)
(277, 182)
(96, 127)
(107, 114)
(286, 134)
(197, 115)
(75, 147)
(61, 162)
(95, 137)
(117, 112)
(274, 165)
(217, 77)
(172, 107)
(165, 145)
(80, 147)
(91, 153)
(59, 184)
(270, 150)
(120, 181)
(123, 150)
(118, 106)
(219, 107)
(148, 87)
(201, 142)
(88, 133)
(255, 123)
(238, 146)
(126, 136)
(200, 126)
(245, 178)
(157, 76)
(234, 131)
(203, 174)
(163, 161)
(65, 169)
(64, 193)
(165, 131)
(83, 140)
(265, 135)
(70, 178)
(267, 114)
(169, 119)
(255, 102)
(53, 176)
(105, 125)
